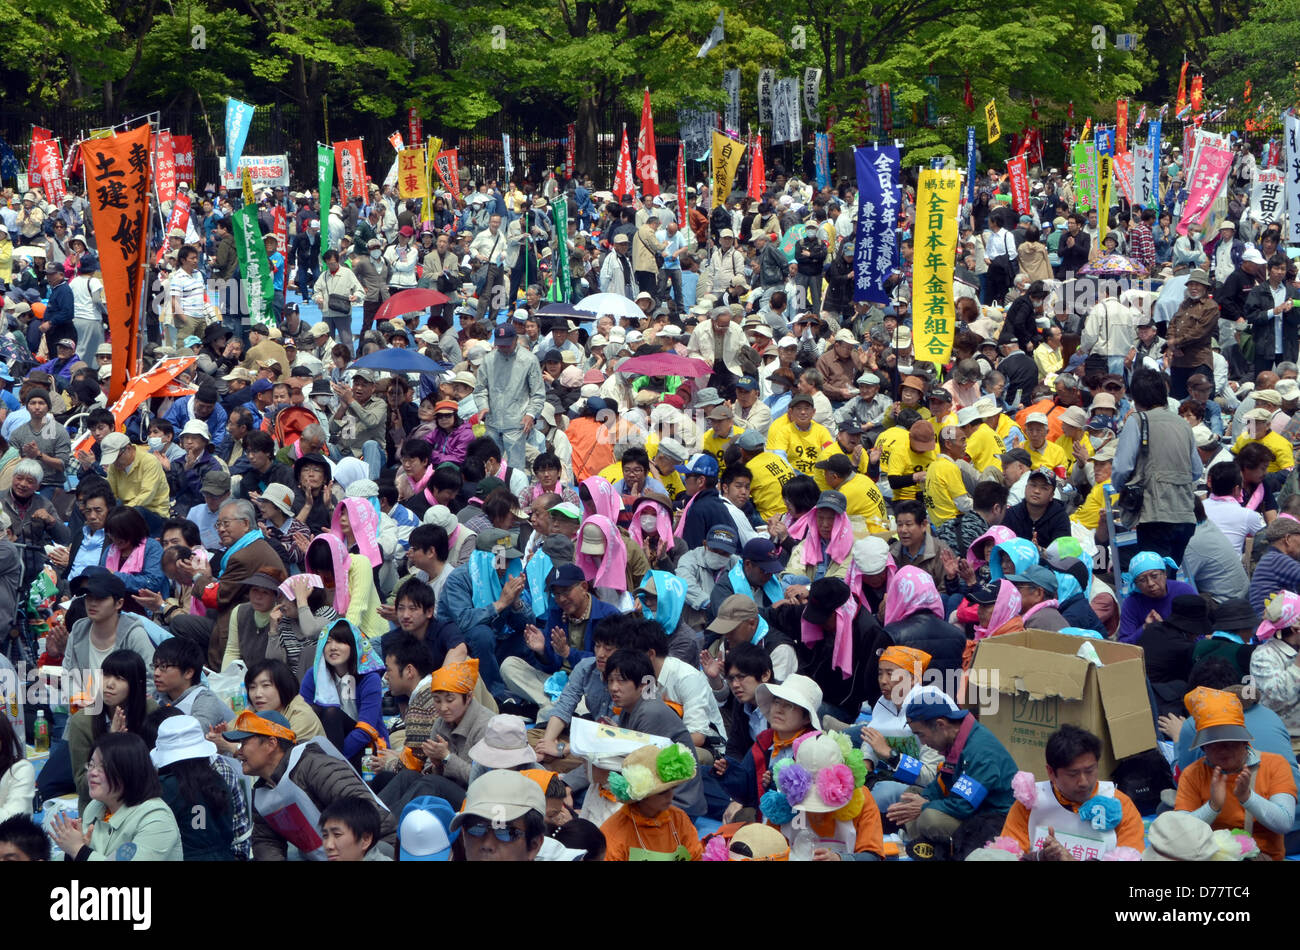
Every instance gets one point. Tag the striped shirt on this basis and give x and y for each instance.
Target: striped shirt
(191, 291)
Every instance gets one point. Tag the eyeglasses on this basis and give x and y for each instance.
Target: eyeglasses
(94, 766)
(504, 833)
(226, 522)
(163, 666)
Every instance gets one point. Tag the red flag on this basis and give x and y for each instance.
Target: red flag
(164, 163)
(117, 185)
(683, 214)
(413, 126)
(570, 149)
(757, 170)
(183, 153)
(1246, 93)
(46, 159)
(447, 163)
(180, 219)
(33, 166)
(350, 167)
(1018, 172)
(647, 164)
(968, 97)
(280, 222)
(1033, 108)
(1196, 93)
(623, 176)
(1026, 138)
(1036, 149)
(1182, 88)
(1121, 125)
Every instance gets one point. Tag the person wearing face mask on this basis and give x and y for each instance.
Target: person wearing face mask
(374, 274)
(699, 569)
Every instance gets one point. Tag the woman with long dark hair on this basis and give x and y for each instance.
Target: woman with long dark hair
(133, 555)
(125, 691)
(17, 777)
(184, 759)
(345, 688)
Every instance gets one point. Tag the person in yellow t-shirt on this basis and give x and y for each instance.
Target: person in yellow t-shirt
(720, 433)
(1089, 513)
(797, 438)
(848, 441)
(941, 411)
(1047, 355)
(860, 492)
(663, 465)
(1042, 454)
(769, 474)
(1074, 441)
(982, 444)
(946, 493)
(1257, 430)
(908, 462)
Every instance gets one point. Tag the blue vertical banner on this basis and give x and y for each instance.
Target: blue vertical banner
(1105, 141)
(239, 116)
(822, 152)
(970, 164)
(878, 200)
(1153, 139)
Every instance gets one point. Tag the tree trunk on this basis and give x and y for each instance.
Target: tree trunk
(587, 149)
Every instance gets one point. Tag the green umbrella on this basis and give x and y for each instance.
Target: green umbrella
(792, 238)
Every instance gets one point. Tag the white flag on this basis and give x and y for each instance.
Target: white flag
(715, 37)
(1293, 177)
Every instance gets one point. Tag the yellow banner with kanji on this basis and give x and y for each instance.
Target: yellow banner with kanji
(249, 200)
(1104, 171)
(412, 178)
(991, 119)
(726, 159)
(933, 314)
(432, 146)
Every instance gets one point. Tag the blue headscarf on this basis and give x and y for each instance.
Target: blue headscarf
(670, 594)
(1145, 561)
(1024, 554)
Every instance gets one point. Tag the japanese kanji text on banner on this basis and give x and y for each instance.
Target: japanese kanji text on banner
(117, 184)
(411, 178)
(933, 319)
(726, 159)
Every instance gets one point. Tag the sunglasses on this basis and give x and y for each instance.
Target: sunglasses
(479, 829)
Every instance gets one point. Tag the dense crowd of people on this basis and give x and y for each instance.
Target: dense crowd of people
(358, 614)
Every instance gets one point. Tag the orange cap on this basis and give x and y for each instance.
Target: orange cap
(1218, 715)
(446, 405)
(541, 776)
(456, 678)
(914, 661)
(251, 723)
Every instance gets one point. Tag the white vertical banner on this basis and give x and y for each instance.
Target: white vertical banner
(780, 113)
(1293, 178)
(731, 115)
(766, 79)
(788, 89)
(812, 80)
(1266, 196)
(1144, 160)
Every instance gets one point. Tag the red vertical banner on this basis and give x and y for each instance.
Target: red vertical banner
(570, 147)
(183, 153)
(647, 163)
(1121, 125)
(350, 166)
(1018, 172)
(46, 159)
(33, 165)
(178, 219)
(164, 166)
(414, 130)
(683, 213)
(1182, 89)
(1196, 93)
(280, 222)
(757, 170)
(447, 164)
(623, 175)
(117, 186)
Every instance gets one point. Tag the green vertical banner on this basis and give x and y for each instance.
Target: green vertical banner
(325, 182)
(1085, 176)
(561, 282)
(254, 266)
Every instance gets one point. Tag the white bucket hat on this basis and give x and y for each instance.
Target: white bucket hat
(504, 745)
(800, 690)
(180, 738)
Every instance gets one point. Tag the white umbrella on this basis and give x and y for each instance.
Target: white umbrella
(614, 304)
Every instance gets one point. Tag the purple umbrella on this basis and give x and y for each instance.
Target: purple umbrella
(665, 364)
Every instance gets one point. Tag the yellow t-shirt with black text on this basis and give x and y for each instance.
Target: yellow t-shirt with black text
(1051, 456)
(715, 445)
(904, 460)
(943, 486)
(803, 449)
(984, 448)
(769, 475)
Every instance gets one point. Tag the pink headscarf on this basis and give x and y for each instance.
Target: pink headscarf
(364, 524)
(1006, 608)
(910, 590)
(1288, 611)
(997, 534)
(603, 498)
(798, 527)
(840, 544)
(663, 524)
(342, 562)
(610, 569)
(842, 652)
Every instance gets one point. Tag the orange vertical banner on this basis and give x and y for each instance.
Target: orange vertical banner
(117, 186)
(1182, 89)
(1196, 93)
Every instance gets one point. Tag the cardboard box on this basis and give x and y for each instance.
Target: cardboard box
(1041, 685)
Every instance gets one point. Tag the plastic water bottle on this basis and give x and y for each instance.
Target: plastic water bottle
(41, 729)
(237, 703)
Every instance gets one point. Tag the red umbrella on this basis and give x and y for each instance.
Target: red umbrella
(409, 301)
(665, 364)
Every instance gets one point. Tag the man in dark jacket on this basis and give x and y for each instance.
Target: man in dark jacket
(306, 251)
(225, 261)
(771, 265)
(285, 771)
(706, 508)
(58, 311)
(1231, 298)
(1040, 517)
(1020, 372)
(810, 258)
(1271, 313)
(1022, 317)
(1074, 248)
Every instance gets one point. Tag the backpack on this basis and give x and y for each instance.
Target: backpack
(1143, 777)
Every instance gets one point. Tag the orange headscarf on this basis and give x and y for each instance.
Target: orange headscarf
(1214, 707)
(911, 659)
(456, 678)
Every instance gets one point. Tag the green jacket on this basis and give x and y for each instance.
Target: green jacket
(987, 766)
(150, 826)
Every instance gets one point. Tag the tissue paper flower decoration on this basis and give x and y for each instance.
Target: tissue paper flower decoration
(794, 782)
(799, 740)
(835, 785)
(1005, 843)
(854, 807)
(1122, 853)
(1025, 789)
(716, 849)
(858, 766)
(775, 807)
(675, 764)
(618, 787)
(639, 781)
(842, 741)
(1102, 812)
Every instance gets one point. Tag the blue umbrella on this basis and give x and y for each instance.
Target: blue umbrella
(400, 360)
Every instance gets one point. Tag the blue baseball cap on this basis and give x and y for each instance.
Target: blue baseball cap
(747, 382)
(764, 553)
(505, 333)
(699, 464)
(722, 539)
(261, 386)
(1038, 576)
(566, 575)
